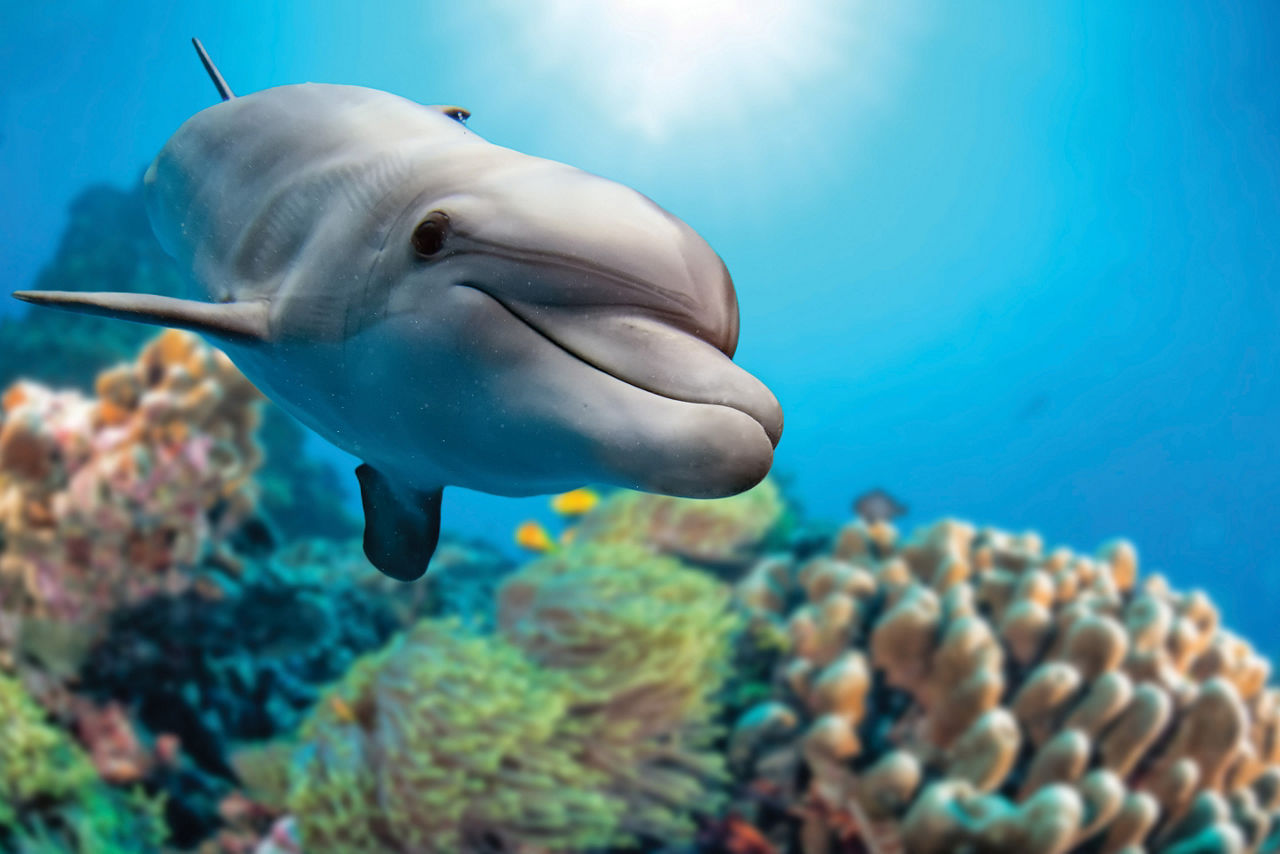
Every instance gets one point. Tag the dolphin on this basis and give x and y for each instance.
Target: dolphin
(449, 311)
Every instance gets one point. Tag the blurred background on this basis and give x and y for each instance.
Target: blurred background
(1016, 263)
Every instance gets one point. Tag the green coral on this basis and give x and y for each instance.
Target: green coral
(445, 741)
(51, 799)
(646, 642)
(103, 821)
(584, 724)
(37, 761)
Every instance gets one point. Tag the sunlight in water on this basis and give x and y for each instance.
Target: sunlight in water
(660, 64)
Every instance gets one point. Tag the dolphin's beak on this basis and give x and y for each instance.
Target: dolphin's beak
(654, 354)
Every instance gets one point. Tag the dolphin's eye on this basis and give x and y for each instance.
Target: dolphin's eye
(458, 114)
(428, 237)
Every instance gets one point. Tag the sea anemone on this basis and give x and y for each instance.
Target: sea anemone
(584, 723)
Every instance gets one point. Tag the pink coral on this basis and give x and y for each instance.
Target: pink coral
(106, 732)
(106, 499)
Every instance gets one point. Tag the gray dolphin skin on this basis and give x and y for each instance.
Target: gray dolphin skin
(449, 311)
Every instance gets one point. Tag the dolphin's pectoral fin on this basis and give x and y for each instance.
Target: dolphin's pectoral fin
(238, 321)
(401, 524)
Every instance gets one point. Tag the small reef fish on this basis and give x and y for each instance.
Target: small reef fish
(575, 502)
(533, 537)
(448, 310)
(876, 505)
(342, 709)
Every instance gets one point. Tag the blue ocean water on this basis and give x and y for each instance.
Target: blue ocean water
(1014, 262)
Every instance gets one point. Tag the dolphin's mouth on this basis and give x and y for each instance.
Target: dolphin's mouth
(644, 351)
(578, 282)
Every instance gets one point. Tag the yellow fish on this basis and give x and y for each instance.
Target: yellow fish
(342, 709)
(575, 502)
(534, 537)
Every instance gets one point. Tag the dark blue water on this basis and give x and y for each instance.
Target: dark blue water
(1014, 263)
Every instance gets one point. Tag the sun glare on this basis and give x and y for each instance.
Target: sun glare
(661, 64)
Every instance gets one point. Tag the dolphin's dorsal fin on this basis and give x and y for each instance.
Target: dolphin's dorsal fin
(236, 321)
(401, 524)
(214, 74)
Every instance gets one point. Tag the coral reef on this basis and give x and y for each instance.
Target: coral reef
(246, 664)
(964, 690)
(646, 642)
(723, 534)
(464, 580)
(583, 724)
(106, 500)
(445, 742)
(135, 570)
(108, 246)
(51, 799)
(242, 666)
(190, 668)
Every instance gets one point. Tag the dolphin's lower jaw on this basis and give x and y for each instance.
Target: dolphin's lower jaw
(720, 424)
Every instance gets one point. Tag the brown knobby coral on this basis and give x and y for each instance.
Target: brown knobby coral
(966, 691)
(106, 499)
